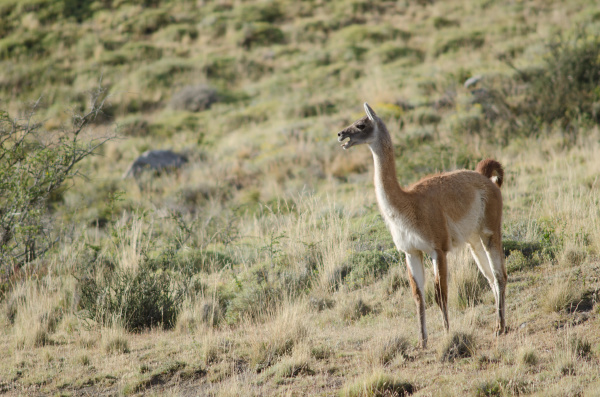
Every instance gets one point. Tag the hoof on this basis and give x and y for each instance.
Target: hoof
(500, 331)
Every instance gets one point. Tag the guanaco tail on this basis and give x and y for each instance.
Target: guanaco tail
(435, 215)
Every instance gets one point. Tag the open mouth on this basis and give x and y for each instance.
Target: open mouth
(347, 144)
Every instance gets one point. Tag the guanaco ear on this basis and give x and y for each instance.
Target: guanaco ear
(370, 112)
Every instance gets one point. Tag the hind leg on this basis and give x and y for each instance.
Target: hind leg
(440, 269)
(483, 264)
(490, 260)
(493, 249)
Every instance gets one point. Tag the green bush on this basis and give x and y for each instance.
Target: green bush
(137, 299)
(567, 90)
(367, 266)
(33, 168)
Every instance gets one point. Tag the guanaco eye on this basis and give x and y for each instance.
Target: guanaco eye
(360, 126)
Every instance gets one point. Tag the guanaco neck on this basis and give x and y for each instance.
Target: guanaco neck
(388, 190)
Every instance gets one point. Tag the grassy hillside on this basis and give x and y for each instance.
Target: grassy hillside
(262, 266)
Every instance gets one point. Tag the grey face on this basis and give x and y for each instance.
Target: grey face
(361, 131)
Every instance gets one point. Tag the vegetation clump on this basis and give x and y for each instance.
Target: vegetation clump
(378, 384)
(34, 166)
(458, 345)
(138, 299)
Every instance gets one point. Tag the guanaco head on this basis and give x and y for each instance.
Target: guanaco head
(363, 130)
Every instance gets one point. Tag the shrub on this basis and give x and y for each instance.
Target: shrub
(516, 261)
(566, 90)
(33, 167)
(368, 265)
(137, 299)
(522, 255)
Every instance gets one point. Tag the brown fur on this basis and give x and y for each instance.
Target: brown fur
(490, 168)
(436, 214)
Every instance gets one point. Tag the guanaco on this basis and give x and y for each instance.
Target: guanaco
(435, 215)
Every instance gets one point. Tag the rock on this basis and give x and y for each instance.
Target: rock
(155, 160)
(472, 81)
(194, 98)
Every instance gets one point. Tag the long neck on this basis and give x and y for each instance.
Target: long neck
(387, 188)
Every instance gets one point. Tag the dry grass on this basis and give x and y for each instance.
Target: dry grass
(560, 295)
(378, 384)
(268, 187)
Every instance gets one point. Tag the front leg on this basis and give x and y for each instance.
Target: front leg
(416, 276)
(440, 269)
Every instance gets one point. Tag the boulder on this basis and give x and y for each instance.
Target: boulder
(157, 161)
(194, 98)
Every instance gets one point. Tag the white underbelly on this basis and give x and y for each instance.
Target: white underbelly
(406, 238)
